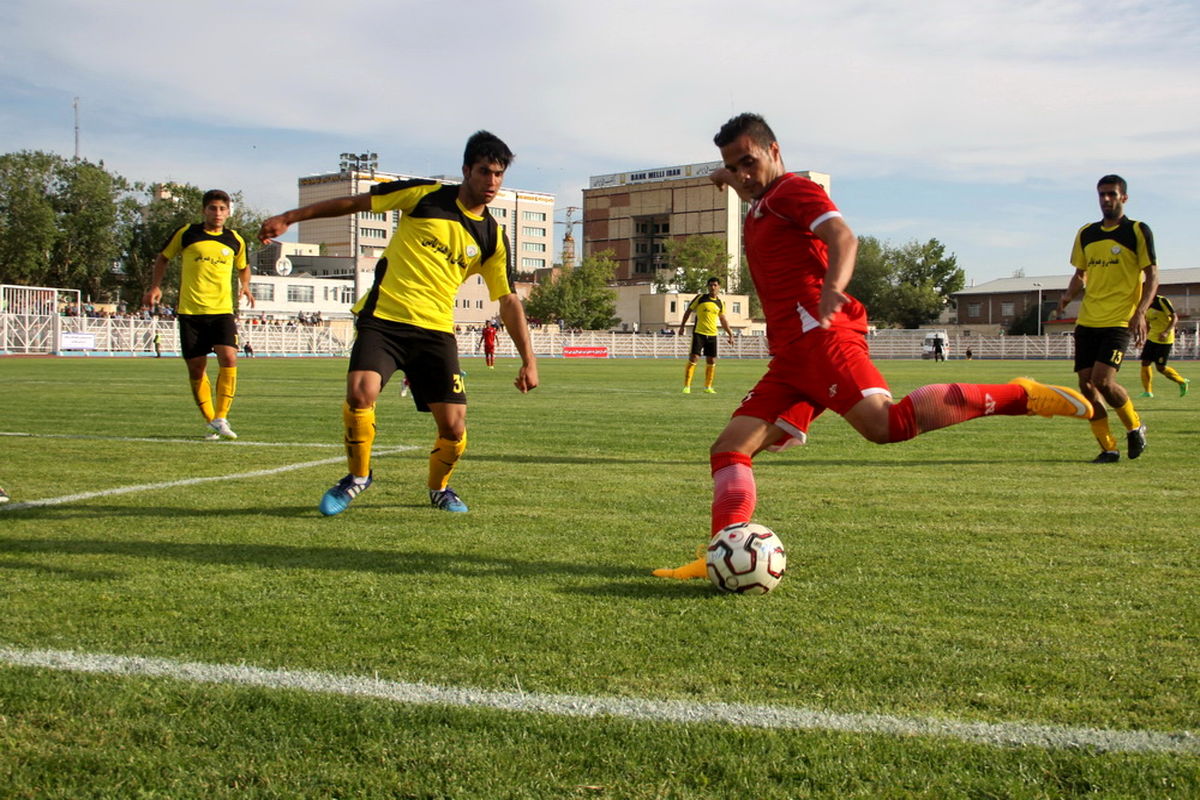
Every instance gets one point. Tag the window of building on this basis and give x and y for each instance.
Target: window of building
(263, 291)
(380, 216)
(533, 216)
(479, 304)
(499, 212)
(1006, 309)
(974, 310)
(300, 294)
(736, 307)
(373, 233)
(348, 295)
(534, 247)
(533, 263)
(672, 306)
(529, 230)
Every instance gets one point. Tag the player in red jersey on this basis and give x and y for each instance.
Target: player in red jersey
(801, 254)
(488, 338)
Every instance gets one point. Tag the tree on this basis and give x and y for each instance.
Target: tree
(906, 286)
(693, 260)
(27, 220)
(745, 285)
(89, 241)
(872, 279)
(579, 297)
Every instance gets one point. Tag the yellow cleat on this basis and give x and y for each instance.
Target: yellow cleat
(692, 569)
(1052, 401)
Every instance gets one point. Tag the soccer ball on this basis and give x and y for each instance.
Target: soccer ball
(747, 558)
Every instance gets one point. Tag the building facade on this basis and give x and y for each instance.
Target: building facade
(634, 214)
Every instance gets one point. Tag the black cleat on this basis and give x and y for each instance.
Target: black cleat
(1107, 457)
(1135, 441)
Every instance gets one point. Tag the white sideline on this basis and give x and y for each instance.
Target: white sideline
(149, 487)
(1000, 734)
(152, 440)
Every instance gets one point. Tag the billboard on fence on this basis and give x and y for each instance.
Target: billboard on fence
(569, 351)
(76, 341)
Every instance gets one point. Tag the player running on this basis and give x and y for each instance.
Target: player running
(406, 320)
(210, 254)
(801, 254)
(1160, 338)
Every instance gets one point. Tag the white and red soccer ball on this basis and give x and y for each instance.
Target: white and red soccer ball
(747, 558)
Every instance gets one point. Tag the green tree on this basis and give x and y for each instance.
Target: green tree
(28, 228)
(872, 280)
(693, 260)
(925, 279)
(579, 297)
(745, 285)
(89, 240)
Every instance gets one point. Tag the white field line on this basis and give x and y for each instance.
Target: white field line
(150, 487)
(1002, 734)
(196, 440)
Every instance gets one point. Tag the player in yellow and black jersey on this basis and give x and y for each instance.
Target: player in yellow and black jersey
(406, 320)
(1116, 269)
(709, 309)
(210, 255)
(1160, 336)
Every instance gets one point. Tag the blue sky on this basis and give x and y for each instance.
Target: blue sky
(983, 124)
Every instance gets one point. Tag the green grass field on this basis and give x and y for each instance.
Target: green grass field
(983, 577)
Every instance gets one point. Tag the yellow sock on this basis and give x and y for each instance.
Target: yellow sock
(1147, 379)
(442, 458)
(226, 389)
(709, 371)
(202, 394)
(1103, 434)
(359, 424)
(1172, 375)
(688, 372)
(1128, 416)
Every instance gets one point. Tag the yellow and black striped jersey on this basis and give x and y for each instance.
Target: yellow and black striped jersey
(1112, 259)
(435, 247)
(209, 261)
(708, 311)
(1159, 319)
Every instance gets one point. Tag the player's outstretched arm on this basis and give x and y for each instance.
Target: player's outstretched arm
(336, 207)
(512, 313)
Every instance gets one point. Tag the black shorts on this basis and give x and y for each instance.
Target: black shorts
(429, 359)
(704, 345)
(200, 333)
(1100, 346)
(1155, 353)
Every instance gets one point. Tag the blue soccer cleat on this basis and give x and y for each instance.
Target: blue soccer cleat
(446, 500)
(338, 498)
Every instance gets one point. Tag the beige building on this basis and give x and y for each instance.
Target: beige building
(635, 213)
(526, 217)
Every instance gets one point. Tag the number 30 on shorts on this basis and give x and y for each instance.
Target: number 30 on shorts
(458, 384)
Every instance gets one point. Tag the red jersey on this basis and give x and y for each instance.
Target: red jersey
(489, 337)
(788, 262)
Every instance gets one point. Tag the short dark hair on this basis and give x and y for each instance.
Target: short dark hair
(713, 279)
(485, 146)
(746, 124)
(215, 194)
(1115, 180)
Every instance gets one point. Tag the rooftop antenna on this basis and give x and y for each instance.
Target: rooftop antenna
(76, 128)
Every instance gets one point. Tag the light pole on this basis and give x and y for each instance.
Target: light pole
(1039, 308)
(351, 163)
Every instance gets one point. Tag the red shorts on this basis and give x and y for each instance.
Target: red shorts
(824, 369)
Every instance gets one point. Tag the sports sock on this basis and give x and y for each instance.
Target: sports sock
(940, 405)
(202, 394)
(734, 491)
(709, 371)
(359, 425)
(442, 458)
(688, 372)
(1129, 415)
(1147, 379)
(1172, 375)
(226, 389)
(1103, 434)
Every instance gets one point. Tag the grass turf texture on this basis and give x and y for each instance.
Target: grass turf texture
(981, 573)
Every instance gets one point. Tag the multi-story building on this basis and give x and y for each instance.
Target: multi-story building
(634, 214)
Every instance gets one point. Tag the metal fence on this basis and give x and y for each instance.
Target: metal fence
(123, 336)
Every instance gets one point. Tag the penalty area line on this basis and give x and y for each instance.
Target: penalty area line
(150, 487)
(998, 734)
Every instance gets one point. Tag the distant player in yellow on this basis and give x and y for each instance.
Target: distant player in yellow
(210, 255)
(1114, 258)
(406, 321)
(709, 309)
(1160, 322)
